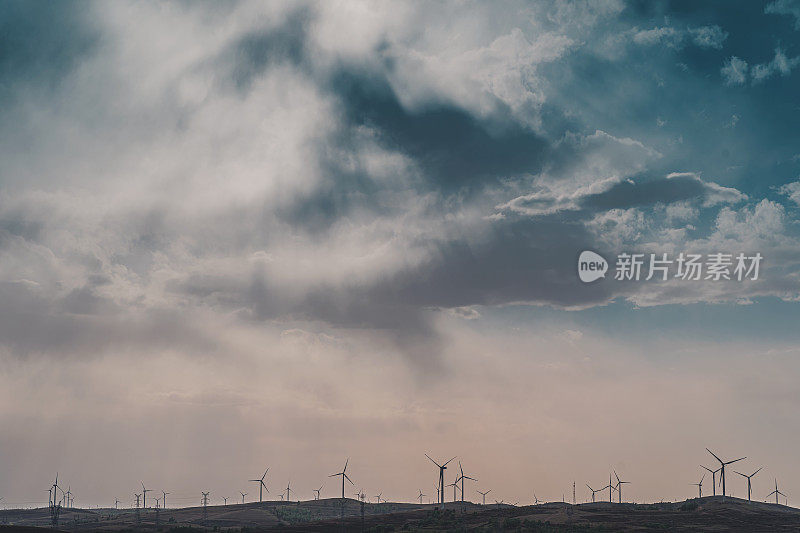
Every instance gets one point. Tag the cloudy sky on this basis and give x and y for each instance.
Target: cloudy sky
(243, 235)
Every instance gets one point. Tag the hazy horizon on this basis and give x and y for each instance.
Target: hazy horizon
(246, 235)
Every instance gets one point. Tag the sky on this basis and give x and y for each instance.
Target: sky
(244, 235)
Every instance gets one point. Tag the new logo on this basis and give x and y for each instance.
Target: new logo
(591, 266)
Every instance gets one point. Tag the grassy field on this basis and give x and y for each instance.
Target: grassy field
(711, 514)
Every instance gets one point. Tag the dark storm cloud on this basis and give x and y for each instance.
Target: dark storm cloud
(630, 193)
(455, 148)
(520, 260)
(456, 152)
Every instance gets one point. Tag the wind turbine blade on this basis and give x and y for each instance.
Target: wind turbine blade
(712, 471)
(434, 462)
(739, 459)
(735, 472)
(450, 460)
(615, 475)
(265, 474)
(715, 455)
(345, 465)
(348, 479)
(756, 472)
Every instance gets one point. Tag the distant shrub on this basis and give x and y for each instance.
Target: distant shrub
(381, 528)
(689, 505)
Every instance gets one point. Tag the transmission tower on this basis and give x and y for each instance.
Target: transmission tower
(138, 516)
(205, 508)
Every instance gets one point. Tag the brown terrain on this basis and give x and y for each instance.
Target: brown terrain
(710, 514)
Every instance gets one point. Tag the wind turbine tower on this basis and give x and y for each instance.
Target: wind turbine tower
(700, 486)
(776, 492)
(619, 486)
(442, 468)
(723, 464)
(144, 496)
(343, 473)
(590, 488)
(462, 478)
(261, 484)
(713, 479)
(55, 507)
(748, 480)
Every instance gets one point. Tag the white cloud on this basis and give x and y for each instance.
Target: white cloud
(585, 165)
(785, 7)
(764, 221)
(780, 64)
(734, 71)
(703, 36)
(792, 191)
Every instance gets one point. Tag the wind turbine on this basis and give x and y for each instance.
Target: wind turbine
(462, 478)
(442, 468)
(225, 500)
(590, 488)
(288, 490)
(261, 484)
(420, 496)
(454, 484)
(379, 497)
(776, 492)
(55, 488)
(722, 467)
(343, 473)
(700, 486)
(536, 500)
(243, 495)
(619, 486)
(484, 495)
(318, 491)
(116, 503)
(748, 480)
(144, 496)
(610, 488)
(165, 498)
(713, 479)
